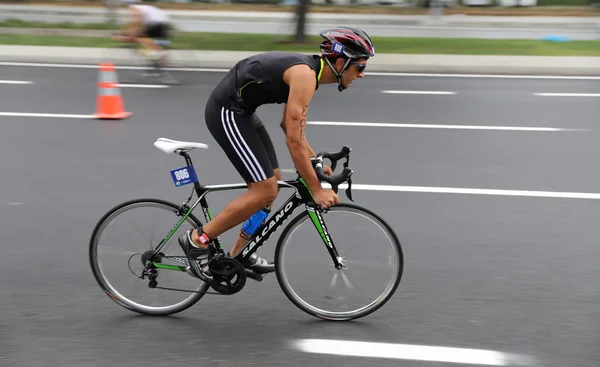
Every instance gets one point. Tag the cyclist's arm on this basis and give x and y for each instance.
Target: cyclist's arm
(311, 152)
(302, 84)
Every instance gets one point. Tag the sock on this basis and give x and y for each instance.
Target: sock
(203, 239)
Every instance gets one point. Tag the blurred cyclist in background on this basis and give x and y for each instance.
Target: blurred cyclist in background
(146, 24)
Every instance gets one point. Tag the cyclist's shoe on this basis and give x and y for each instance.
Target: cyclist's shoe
(259, 265)
(197, 257)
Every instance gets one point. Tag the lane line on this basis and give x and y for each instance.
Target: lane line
(16, 82)
(333, 123)
(42, 65)
(93, 66)
(60, 115)
(374, 73)
(403, 351)
(472, 191)
(143, 86)
(486, 76)
(567, 94)
(428, 126)
(416, 92)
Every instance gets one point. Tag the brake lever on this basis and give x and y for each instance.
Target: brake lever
(334, 188)
(333, 165)
(349, 189)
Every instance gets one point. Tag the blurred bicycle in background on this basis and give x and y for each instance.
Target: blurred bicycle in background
(146, 63)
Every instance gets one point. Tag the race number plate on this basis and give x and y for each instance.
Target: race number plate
(184, 176)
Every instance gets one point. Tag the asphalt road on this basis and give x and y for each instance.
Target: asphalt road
(511, 274)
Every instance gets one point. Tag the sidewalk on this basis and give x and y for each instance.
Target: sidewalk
(91, 14)
(453, 26)
(465, 64)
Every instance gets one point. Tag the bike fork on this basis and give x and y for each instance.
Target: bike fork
(317, 219)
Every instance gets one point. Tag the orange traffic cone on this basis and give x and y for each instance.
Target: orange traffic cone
(109, 103)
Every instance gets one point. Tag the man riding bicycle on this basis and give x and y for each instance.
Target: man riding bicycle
(273, 77)
(147, 23)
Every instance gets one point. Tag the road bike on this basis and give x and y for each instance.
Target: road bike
(145, 66)
(343, 239)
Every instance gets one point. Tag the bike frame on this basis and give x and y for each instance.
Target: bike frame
(302, 196)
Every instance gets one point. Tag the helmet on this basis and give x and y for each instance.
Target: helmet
(346, 42)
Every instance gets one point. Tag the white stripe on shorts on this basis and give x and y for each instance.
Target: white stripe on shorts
(233, 144)
(257, 165)
(237, 146)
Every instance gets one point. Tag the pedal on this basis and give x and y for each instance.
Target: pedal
(254, 275)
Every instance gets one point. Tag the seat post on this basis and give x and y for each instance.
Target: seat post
(188, 160)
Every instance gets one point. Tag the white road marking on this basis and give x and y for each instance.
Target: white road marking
(41, 65)
(567, 94)
(59, 115)
(374, 73)
(143, 86)
(332, 123)
(470, 191)
(94, 66)
(16, 82)
(484, 76)
(403, 351)
(416, 92)
(16, 203)
(429, 126)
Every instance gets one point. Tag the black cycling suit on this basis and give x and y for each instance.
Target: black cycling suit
(230, 110)
(157, 30)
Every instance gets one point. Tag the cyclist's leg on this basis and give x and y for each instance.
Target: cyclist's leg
(153, 33)
(145, 37)
(268, 144)
(244, 148)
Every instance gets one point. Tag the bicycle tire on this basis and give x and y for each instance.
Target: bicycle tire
(333, 316)
(113, 293)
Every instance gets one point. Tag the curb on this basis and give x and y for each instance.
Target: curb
(467, 64)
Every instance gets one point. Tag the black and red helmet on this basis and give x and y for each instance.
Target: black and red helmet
(346, 42)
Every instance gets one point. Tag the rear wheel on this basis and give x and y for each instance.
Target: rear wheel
(120, 247)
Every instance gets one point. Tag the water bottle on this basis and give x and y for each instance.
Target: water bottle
(254, 222)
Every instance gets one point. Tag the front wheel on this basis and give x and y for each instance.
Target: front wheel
(368, 248)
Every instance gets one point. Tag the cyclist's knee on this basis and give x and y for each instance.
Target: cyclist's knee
(267, 190)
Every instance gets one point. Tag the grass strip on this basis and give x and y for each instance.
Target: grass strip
(404, 45)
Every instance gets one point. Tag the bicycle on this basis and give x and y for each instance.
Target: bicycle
(229, 276)
(147, 66)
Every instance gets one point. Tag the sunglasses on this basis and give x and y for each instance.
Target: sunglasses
(360, 67)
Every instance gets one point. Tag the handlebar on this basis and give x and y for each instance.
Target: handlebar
(335, 180)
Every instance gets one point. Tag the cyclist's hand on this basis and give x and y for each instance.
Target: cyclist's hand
(326, 198)
(327, 170)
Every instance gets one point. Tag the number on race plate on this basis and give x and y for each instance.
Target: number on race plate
(181, 174)
(184, 176)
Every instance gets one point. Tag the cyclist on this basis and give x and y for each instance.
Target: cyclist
(147, 23)
(286, 78)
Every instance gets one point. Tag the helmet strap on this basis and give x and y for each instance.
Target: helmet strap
(338, 74)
